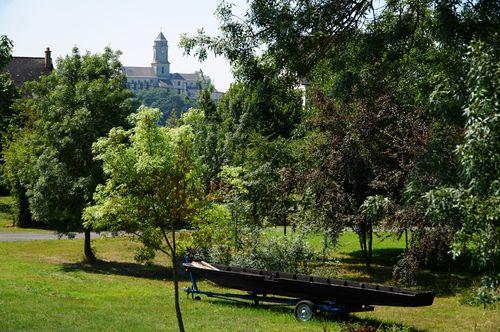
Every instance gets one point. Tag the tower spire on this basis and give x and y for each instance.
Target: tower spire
(160, 63)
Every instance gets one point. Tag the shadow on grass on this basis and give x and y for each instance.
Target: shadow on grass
(358, 323)
(439, 283)
(350, 321)
(383, 261)
(151, 271)
(382, 257)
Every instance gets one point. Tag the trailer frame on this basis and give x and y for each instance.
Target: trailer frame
(304, 308)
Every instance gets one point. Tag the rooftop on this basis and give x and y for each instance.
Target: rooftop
(23, 69)
(139, 71)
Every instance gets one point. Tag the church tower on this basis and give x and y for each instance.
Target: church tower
(160, 64)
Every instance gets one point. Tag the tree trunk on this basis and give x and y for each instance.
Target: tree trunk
(23, 212)
(87, 250)
(362, 242)
(370, 246)
(450, 266)
(284, 228)
(365, 241)
(178, 312)
(325, 246)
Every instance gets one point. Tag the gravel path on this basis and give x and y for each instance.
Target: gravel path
(27, 236)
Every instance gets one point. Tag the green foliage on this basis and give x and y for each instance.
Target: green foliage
(253, 248)
(8, 91)
(153, 185)
(68, 111)
(153, 179)
(49, 159)
(5, 50)
(209, 137)
(246, 136)
(275, 253)
(475, 203)
(168, 102)
(19, 153)
(294, 34)
(386, 87)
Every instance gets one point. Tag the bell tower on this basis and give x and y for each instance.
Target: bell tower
(160, 63)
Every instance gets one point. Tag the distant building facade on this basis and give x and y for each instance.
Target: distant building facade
(159, 75)
(23, 69)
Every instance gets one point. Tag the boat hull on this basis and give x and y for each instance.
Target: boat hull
(310, 287)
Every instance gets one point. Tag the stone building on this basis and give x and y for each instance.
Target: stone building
(158, 75)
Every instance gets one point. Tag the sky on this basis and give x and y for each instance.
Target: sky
(128, 26)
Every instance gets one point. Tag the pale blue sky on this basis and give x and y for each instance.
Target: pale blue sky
(130, 26)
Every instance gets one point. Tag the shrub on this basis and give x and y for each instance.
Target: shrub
(260, 251)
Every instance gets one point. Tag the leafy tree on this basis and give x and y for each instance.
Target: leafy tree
(385, 87)
(169, 102)
(475, 203)
(295, 34)
(65, 113)
(5, 50)
(8, 93)
(209, 138)
(19, 152)
(7, 89)
(373, 211)
(248, 129)
(298, 35)
(153, 185)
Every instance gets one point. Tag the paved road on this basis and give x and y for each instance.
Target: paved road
(27, 236)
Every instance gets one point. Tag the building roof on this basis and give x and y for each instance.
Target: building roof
(139, 72)
(189, 76)
(23, 69)
(161, 37)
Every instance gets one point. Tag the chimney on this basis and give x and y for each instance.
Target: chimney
(48, 59)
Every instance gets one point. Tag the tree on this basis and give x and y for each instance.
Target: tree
(386, 87)
(19, 153)
(209, 137)
(8, 91)
(475, 203)
(153, 186)
(373, 211)
(169, 102)
(65, 113)
(295, 34)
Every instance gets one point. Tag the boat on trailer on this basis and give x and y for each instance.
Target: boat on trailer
(307, 293)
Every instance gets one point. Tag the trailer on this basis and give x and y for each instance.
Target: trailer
(308, 294)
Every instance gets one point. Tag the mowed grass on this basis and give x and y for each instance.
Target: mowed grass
(45, 287)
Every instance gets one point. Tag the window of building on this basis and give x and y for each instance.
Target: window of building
(162, 70)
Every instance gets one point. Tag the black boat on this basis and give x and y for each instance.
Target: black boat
(353, 296)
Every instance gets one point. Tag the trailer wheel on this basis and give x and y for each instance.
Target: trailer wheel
(304, 310)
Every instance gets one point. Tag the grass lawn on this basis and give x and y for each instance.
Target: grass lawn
(45, 287)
